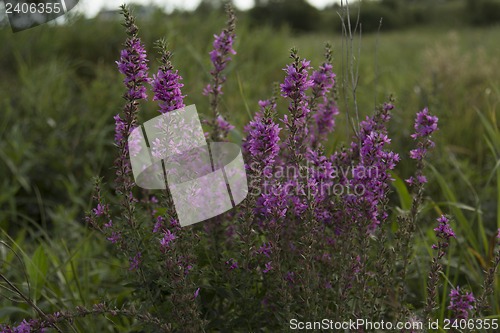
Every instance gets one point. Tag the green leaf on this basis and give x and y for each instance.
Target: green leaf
(6, 311)
(37, 268)
(457, 213)
(402, 191)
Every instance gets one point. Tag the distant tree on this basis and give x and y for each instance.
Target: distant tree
(298, 14)
(207, 6)
(483, 12)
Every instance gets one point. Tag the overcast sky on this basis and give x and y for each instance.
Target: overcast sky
(92, 7)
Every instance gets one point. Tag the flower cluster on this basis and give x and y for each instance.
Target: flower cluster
(296, 83)
(297, 80)
(135, 261)
(461, 303)
(167, 84)
(323, 101)
(23, 327)
(263, 135)
(373, 156)
(133, 64)
(443, 232)
(313, 229)
(167, 89)
(220, 58)
(425, 125)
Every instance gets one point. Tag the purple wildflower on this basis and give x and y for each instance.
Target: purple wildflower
(294, 87)
(99, 210)
(135, 261)
(167, 83)
(175, 223)
(443, 230)
(323, 80)
(422, 179)
(325, 112)
(158, 224)
(425, 124)
(224, 126)
(371, 175)
(274, 201)
(265, 249)
(115, 237)
(232, 263)
(133, 64)
(23, 327)
(167, 90)
(297, 80)
(168, 237)
(325, 119)
(220, 56)
(223, 46)
(263, 136)
(197, 292)
(461, 303)
(417, 154)
(120, 132)
(319, 177)
(268, 267)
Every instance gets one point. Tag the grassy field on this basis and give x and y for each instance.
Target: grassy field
(60, 90)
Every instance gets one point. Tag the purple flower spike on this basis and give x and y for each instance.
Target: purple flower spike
(167, 90)
(323, 80)
(135, 261)
(265, 249)
(224, 126)
(120, 131)
(461, 303)
(133, 64)
(167, 83)
(223, 47)
(263, 136)
(232, 263)
(115, 237)
(268, 267)
(297, 80)
(443, 230)
(168, 238)
(99, 210)
(219, 56)
(425, 124)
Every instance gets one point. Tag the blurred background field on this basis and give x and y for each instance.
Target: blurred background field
(60, 89)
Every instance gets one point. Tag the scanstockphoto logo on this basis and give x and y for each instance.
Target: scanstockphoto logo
(204, 179)
(26, 14)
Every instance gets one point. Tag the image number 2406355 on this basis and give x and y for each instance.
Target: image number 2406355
(26, 14)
